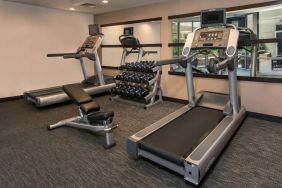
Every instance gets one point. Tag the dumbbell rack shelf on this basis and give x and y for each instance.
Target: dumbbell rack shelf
(153, 94)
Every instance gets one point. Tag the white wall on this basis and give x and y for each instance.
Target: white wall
(27, 34)
(147, 33)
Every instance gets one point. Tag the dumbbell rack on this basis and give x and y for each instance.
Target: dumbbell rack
(153, 94)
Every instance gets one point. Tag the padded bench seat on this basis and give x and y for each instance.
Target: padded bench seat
(81, 98)
(86, 104)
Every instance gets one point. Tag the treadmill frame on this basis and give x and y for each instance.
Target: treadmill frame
(200, 160)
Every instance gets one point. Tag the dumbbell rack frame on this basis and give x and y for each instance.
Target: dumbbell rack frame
(150, 99)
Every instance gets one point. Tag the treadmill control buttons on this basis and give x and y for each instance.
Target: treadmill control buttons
(212, 35)
(186, 51)
(230, 51)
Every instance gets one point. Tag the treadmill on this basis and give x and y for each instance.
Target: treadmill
(95, 84)
(189, 140)
(131, 45)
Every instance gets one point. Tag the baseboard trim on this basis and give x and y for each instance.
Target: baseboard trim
(266, 117)
(171, 99)
(7, 99)
(110, 67)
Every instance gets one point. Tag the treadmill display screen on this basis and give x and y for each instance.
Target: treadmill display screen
(128, 31)
(212, 18)
(93, 29)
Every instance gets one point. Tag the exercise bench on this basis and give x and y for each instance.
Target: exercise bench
(90, 118)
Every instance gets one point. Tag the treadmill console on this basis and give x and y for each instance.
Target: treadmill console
(129, 40)
(213, 33)
(216, 38)
(90, 42)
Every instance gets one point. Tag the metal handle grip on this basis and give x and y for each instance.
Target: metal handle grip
(59, 54)
(169, 61)
(75, 56)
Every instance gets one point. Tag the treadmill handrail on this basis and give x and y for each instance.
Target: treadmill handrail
(169, 61)
(181, 60)
(223, 64)
(60, 54)
(77, 56)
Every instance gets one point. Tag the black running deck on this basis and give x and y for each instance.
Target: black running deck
(57, 90)
(50, 91)
(176, 140)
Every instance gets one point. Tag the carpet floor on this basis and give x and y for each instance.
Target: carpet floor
(31, 156)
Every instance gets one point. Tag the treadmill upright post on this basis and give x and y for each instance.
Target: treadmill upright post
(140, 54)
(123, 57)
(190, 84)
(233, 91)
(83, 68)
(98, 69)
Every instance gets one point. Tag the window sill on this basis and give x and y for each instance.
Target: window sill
(225, 77)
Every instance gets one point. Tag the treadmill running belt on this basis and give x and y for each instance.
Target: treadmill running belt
(176, 140)
(44, 92)
(50, 91)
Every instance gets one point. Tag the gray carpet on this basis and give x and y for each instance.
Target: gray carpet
(31, 156)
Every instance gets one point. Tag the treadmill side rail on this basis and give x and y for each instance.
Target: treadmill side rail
(176, 168)
(152, 128)
(201, 159)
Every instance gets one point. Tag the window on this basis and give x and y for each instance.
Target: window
(265, 22)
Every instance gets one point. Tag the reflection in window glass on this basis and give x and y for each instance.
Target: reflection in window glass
(268, 64)
(196, 24)
(184, 29)
(179, 31)
(265, 22)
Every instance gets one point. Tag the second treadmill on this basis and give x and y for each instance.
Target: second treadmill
(95, 84)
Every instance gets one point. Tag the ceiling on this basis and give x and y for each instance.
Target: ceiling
(79, 5)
